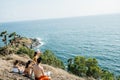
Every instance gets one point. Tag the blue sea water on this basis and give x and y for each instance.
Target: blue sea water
(91, 36)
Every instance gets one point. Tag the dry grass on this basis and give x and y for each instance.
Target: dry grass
(6, 64)
(26, 41)
(59, 74)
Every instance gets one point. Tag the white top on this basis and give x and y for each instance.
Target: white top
(15, 70)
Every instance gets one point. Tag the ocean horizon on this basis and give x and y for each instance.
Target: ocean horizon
(91, 36)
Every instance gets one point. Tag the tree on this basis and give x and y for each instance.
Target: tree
(93, 68)
(106, 75)
(82, 66)
(69, 64)
(4, 35)
(13, 37)
(77, 66)
(80, 63)
(118, 77)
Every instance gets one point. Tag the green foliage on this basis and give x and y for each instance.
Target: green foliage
(12, 38)
(49, 58)
(82, 66)
(8, 37)
(93, 68)
(77, 66)
(118, 77)
(4, 35)
(25, 50)
(106, 75)
(12, 35)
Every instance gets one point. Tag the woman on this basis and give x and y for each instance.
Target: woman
(17, 67)
(28, 69)
(36, 56)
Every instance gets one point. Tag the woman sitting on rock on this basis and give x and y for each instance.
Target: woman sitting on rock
(36, 56)
(17, 67)
(28, 69)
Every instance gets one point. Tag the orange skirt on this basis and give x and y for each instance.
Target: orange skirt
(43, 78)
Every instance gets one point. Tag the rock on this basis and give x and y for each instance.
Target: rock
(6, 65)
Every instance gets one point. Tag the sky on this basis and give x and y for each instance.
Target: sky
(19, 10)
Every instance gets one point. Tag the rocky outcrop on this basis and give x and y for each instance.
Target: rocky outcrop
(6, 63)
(19, 42)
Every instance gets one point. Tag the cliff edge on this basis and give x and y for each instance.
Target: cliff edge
(6, 64)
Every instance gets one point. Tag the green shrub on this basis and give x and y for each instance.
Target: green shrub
(82, 66)
(50, 59)
(77, 66)
(118, 77)
(25, 50)
(93, 68)
(106, 75)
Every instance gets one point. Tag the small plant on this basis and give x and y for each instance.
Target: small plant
(25, 50)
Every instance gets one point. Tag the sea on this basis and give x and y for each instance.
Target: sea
(90, 36)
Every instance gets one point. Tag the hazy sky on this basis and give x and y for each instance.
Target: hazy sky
(15, 10)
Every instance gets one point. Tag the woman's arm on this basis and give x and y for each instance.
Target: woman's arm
(31, 72)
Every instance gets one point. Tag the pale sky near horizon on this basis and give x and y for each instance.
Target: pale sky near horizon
(18, 10)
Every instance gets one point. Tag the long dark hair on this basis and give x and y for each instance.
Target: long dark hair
(35, 54)
(39, 60)
(28, 63)
(16, 62)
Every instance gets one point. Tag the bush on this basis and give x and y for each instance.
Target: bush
(25, 50)
(84, 67)
(77, 66)
(106, 75)
(50, 59)
(93, 68)
(118, 77)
